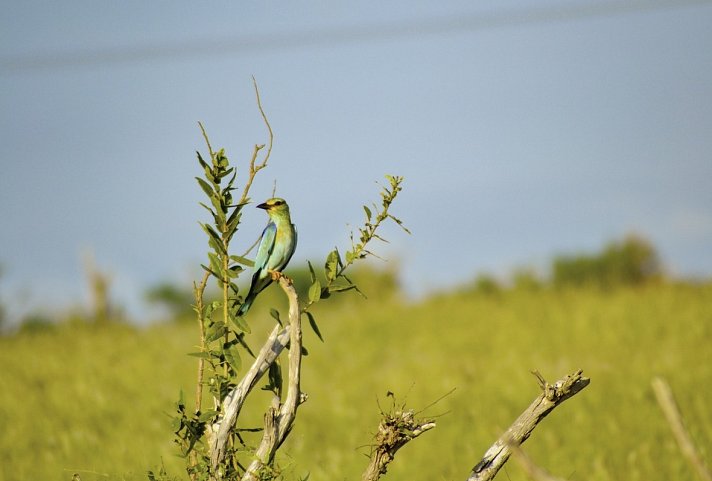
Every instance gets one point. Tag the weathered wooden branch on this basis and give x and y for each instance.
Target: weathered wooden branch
(233, 402)
(231, 406)
(667, 403)
(521, 429)
(395, 430)
(280, 418)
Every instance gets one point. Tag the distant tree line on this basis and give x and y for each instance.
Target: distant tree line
(631, 261)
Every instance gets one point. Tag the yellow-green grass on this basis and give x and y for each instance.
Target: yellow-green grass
(95, 400)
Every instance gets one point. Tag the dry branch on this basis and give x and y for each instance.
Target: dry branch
(233, 402)
(521, 429)
(395, 430)
(279, 419)
(667, 403)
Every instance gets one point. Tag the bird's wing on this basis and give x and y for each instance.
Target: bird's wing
(293, 246)
(266, 246)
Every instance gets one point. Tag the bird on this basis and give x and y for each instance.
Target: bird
(277, 245)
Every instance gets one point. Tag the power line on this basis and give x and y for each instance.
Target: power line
(335, 36)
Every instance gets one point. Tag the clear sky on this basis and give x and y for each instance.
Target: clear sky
(523, 129)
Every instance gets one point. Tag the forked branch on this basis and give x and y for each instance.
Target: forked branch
(521, 429)
(280, 418)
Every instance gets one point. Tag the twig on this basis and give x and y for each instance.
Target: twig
(207, 141)
(254, 166)
(199, 291)
(279, 419)
(667, 403)
(521, 429)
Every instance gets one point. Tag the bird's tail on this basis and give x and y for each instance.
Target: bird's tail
(246, 305)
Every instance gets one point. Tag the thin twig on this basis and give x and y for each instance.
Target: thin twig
(207, 141)
(199, 290)
(667, 403)
(254, 166)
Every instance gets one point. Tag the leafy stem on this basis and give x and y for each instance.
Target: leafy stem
(335, 267)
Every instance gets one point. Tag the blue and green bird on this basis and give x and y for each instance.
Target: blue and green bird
(279, 239)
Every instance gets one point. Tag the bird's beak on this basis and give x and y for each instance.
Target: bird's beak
(263, 206)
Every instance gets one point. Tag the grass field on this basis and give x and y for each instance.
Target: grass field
(95, 400)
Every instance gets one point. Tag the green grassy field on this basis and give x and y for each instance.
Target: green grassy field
(96, 401)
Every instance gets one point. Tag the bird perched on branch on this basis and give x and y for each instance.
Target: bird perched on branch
(279, 239)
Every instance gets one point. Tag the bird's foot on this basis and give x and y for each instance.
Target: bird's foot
(276, 276)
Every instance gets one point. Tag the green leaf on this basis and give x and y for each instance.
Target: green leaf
(234, 270)
(368, 213)
(202, 355)
(331, 265)
(219, 208)
(232, 356)
(342, 288)
(239, 321)
(206, 187)
(208, 269)
(242, 260)
(313, 325)
(202, 162)
(216, 331)
(399, 222)
(215, 263)
(312, 274)
(275, 314)
(315, 291)
(207, 415)
(234, 219)
(213, 235)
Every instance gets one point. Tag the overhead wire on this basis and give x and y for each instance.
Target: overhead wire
(334, 36)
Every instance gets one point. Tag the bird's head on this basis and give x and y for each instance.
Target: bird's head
(275, 207)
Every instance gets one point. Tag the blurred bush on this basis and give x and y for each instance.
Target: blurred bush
(632, 261)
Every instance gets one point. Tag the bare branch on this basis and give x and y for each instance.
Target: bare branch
(667, 403)
(232, 404)
(254, 166)
(521, 429)
(279, 419)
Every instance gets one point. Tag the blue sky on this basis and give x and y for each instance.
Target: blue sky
(523, 129)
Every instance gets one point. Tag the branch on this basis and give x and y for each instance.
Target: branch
(521, 429)
(667, 403)
(254, 166)
(232, 404)
(279, 419)
(395, 431)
